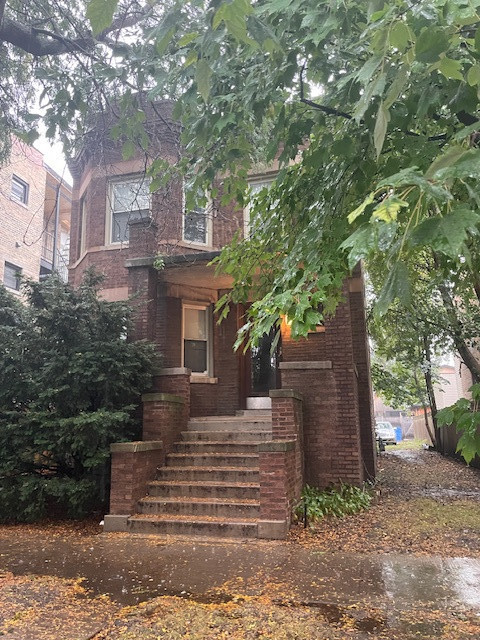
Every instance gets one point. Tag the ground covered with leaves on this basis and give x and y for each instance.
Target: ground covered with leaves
(426, 505)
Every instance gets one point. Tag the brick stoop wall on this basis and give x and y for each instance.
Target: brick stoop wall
(281, 465)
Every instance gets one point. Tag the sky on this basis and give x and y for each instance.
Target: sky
(53, 156)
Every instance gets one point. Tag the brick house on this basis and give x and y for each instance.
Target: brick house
(34, 218)
(228, 438)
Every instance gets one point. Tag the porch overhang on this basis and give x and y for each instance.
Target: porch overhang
(188, 269)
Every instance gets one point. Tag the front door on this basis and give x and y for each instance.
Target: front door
(264, 366)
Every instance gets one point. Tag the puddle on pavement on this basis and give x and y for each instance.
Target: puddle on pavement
(132, 569)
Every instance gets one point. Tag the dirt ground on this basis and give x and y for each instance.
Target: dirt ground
(426, 506)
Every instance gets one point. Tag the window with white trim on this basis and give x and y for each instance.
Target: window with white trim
(255, 186)
(129, 200)
(11, 276)
(19, 191)
(197, 339)
(197, 224)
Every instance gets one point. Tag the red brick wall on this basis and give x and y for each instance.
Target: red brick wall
(131, 471)
(362, 361)
(330, 410)
(221, 398)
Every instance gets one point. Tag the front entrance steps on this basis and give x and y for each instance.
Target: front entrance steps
(209, 485)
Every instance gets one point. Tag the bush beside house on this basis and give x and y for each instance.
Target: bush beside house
(70, 383)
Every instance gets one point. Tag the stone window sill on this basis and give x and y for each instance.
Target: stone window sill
(203, 380)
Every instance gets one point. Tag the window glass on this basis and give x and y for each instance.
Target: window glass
(130, 200)
(195, 339)
(255, 187)
(195, 324)
(19, 190)
(11, 276)
(195, 226)
(195, 356)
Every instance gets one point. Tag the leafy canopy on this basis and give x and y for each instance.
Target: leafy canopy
(69, 384)
(370, 107)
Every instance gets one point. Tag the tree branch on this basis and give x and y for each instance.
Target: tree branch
(42, 42)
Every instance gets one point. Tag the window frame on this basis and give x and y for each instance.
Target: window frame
(115, 180)
(200, 306)
(208, 209)
(18, 275)
(266, 180)
(24, 186)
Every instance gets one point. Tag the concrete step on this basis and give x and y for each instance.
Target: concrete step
(198, 507)
(191, 526)
(203, 489)
(212, 460)
(215, 447)
(253, 413)
(230, 423)
(257, 402)
(230, 436)
(213, 474)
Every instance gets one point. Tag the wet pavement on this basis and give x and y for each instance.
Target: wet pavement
(134, 569)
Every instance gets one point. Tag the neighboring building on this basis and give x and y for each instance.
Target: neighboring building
(235, 434)
(29, 193)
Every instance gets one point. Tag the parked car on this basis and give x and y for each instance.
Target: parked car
(385, 432)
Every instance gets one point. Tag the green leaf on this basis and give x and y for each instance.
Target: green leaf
(430, 44)
(473, 75)
(396, 87)
(203, 76)
(100, 14)
(388, 209)
(397, 285)
(187, 39)
(477, 40)
(399, 36)
(381, 124)
(451, 68)
(361, 208)
(128, 150)
(447, 159)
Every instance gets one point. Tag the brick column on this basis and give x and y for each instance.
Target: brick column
(281, 465)
(362, 360)
(133, 465)
(142, 277)
(166, 411)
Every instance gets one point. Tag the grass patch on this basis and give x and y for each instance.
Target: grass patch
(335, 501)
(408, 444)
(431, 515)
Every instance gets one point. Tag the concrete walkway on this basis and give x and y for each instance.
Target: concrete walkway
(133, 569)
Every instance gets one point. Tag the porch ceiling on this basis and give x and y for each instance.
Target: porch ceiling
(196, 275)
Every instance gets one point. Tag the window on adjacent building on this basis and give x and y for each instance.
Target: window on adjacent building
(19, 191)
(129, 200)
(255, 185)
(196, 338)
(11, 276)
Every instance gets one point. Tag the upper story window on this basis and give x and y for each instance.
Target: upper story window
(255, 186)
(197, 224)
(19, 191)
(129, 200)
(11, 276)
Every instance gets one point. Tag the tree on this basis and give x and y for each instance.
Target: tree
(374, 106)
(69, 385)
